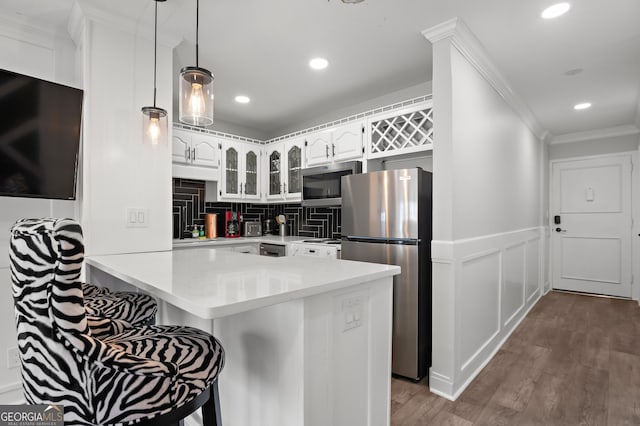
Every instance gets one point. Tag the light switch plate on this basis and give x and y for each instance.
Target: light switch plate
(137, 218)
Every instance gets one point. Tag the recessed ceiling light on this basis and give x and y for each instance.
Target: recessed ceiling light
(555, 10)
(318, 63)
(243, 99)
(582, 105)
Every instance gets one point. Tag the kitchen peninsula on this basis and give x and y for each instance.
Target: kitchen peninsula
(307, 340)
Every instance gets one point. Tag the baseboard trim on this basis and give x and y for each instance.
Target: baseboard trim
(11, 394)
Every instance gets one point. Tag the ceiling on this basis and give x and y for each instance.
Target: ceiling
(261, 49)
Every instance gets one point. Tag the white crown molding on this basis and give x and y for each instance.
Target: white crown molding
(470, 47)
(29, 31)
(83, 10)
(75, 24)
(610, 132)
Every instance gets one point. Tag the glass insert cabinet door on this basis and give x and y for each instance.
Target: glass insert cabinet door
(251, 173)
(231, 171)
(294, 166)
(274, 173)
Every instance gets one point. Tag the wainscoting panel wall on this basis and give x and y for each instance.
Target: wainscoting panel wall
(513, 282)
(479, 296)
(494, 281)
(312, 222)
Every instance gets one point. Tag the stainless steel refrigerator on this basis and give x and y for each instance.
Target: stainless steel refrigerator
(386, 218)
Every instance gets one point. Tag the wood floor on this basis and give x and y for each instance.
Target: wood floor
(574, 360)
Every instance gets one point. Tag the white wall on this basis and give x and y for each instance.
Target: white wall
(488, 208)
(40, 53)
(585, 148)
(119, 172)
(114, 63)
(496, 176)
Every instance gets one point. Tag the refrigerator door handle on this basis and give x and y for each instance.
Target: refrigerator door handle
(378, 240)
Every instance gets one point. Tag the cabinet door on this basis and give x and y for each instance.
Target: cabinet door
(204, 151)
(346, 143)
(318, 147)
(293, 182)
(230, 185)
(180, 146)
(274, 168)
(251, 172)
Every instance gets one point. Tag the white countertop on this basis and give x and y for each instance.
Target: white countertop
(214, 283)
(273, 239)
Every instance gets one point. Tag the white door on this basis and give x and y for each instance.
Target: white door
(251, 160)
(180, 147)
(347, 142)
(318, 148)
(229, 184)
(204, 151)
(293, 169)
(591, 225)
(275, 160)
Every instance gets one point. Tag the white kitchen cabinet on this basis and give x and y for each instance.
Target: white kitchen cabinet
(401, 132)
(284, 165)
(195, 155)
(340, 143)
(240, 174)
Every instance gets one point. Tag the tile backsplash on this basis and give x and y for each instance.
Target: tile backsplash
(312, 222)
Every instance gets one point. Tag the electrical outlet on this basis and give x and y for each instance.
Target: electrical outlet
(13, 357)
(352, 312)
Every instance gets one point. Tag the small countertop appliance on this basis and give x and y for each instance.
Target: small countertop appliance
(252, 229)
(232, 224)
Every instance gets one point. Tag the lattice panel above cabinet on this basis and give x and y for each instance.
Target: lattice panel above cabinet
(408, 132)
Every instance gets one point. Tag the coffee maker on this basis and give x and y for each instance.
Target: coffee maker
(232, 224)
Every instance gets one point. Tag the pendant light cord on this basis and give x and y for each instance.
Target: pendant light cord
(197, 29)
(155, 53)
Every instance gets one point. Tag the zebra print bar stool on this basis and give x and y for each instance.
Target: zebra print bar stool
(148, 375)
(134, 308)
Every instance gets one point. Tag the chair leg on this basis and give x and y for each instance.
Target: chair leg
(211, 409)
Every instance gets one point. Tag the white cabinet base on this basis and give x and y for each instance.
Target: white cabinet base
(300, 362)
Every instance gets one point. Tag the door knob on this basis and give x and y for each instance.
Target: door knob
(560, 230)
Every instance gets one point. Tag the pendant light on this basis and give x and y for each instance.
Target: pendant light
(154, 119)
(196, 90)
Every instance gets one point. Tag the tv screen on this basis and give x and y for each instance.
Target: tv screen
(39, 137)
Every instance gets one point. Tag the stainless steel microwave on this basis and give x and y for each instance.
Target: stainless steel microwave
(321, 185)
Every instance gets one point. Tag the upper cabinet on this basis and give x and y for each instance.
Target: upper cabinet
(195, 155)
(284, 164)
(401, 132)
(337, 144)
(240, 174)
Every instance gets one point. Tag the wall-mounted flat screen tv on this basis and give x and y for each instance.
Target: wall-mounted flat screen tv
(39, 137)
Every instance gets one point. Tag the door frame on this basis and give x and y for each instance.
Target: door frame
(635, 214)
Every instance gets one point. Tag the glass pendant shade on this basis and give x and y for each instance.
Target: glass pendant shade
(196, 96)
(154, 126)
(155, 129)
